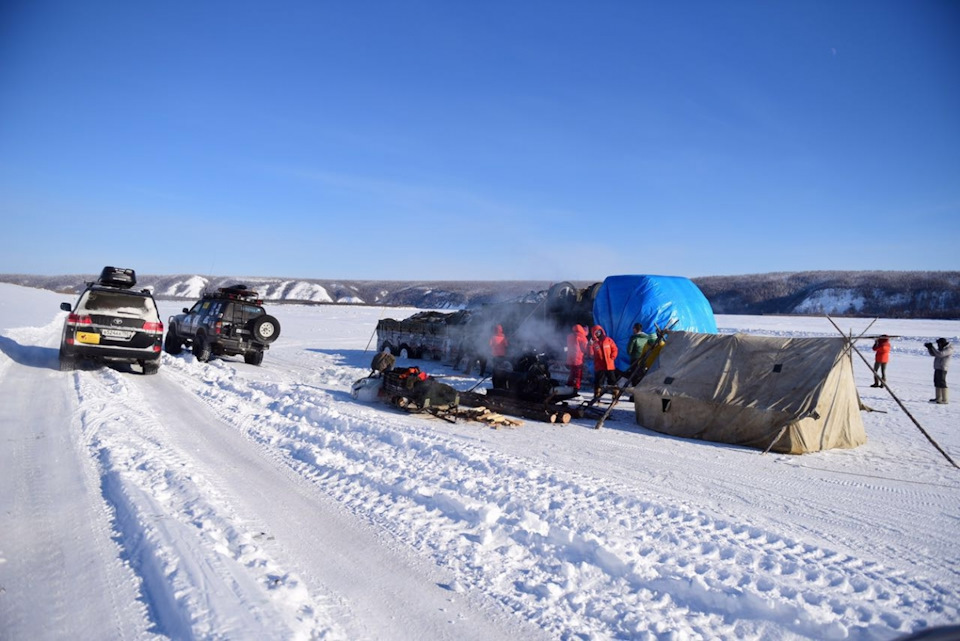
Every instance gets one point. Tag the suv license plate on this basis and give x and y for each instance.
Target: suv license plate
(88, 338)
(123, 334)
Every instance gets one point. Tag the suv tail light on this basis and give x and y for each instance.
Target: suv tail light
(76, 319)
(217, 327)
(153, 327)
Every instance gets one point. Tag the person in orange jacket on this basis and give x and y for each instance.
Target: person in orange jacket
(498, 349)
(881, 349)
(576, 348)
(604, 352)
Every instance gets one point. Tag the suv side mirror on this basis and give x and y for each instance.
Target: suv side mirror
(186, 311)
(67, 307)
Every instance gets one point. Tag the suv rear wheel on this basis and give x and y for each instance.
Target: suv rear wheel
(150, 367)
(253, 358)
(67, 362)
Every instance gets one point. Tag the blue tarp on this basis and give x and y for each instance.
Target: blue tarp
(651, 301)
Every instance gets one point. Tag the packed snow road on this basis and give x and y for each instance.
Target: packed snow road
(57, 556)
(197, 510)
(223, 500)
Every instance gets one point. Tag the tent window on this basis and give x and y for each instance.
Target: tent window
(668, 380)
(778, 368)
(665, 403)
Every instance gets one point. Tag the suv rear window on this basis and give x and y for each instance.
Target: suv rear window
(250, 310)
(96, 301)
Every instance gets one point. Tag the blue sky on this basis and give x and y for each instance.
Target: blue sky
(479, 140)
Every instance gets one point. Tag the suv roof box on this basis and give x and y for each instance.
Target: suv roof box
(239, 292)
(117, 277)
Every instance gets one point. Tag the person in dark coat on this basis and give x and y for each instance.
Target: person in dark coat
(382, 362)
(941, 360)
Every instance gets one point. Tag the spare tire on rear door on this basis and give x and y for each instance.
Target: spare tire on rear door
(265, 329)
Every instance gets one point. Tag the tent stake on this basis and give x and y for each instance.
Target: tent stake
(905, 411)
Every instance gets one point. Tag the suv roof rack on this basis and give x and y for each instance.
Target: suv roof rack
(120, 277)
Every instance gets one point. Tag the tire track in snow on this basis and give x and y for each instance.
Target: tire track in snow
(55, 491)
(47, 560)
(381, 595)
(169, 517)
(561, 547)
(840, 518)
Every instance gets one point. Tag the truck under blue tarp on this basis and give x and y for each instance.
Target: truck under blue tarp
(652, 301)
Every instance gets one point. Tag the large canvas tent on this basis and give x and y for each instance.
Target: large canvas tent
(792, 395)
(652, 301)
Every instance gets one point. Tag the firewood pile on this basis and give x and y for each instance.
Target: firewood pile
(483, 415)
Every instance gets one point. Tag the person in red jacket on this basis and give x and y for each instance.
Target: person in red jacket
(881, 350)
(576, 348)
(604, 352)
(498, 349)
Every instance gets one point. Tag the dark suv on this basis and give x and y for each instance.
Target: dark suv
(230, 321)
(112, 322)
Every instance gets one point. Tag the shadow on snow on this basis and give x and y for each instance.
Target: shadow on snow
(30, 355)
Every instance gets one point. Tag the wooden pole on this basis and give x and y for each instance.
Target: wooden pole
(382, 309)
(883, 384)
(638, 368)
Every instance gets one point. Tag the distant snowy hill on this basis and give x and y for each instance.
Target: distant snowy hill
(421, 294)
(873, 293)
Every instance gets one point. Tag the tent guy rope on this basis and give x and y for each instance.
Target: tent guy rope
(902, 406)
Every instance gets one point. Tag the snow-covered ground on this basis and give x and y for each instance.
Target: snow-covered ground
(229, 501)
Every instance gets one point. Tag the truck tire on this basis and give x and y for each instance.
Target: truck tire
(562, 294)
(265, 329)
(201, 349)
(150, 367)
(172, 343)
(68, 362)
(253, 358)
